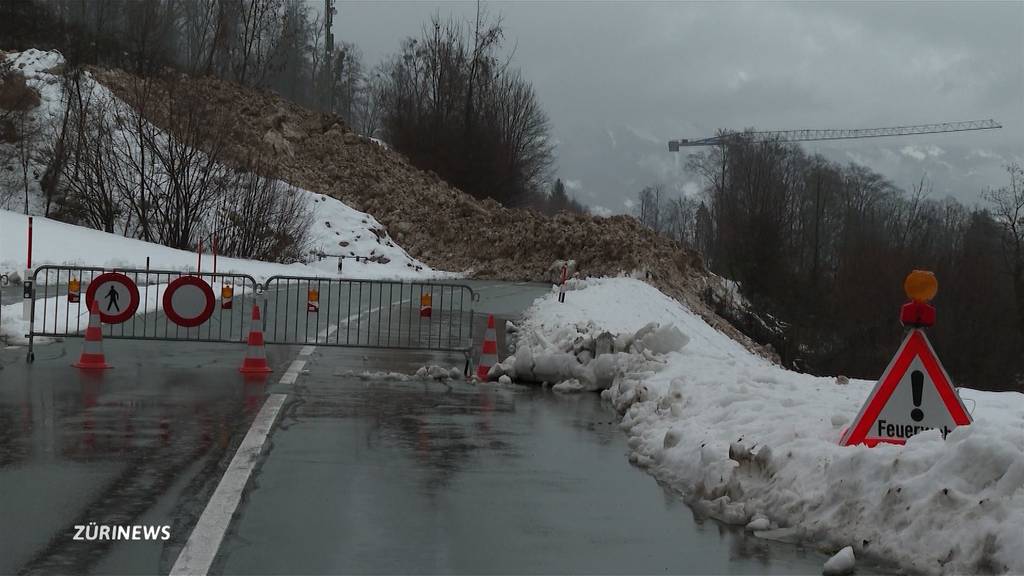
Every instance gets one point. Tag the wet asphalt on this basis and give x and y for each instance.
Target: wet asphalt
(363, 473)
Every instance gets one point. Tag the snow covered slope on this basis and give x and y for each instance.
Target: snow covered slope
(751, 443)
(59, 243)
(338, 229)
(335, 229)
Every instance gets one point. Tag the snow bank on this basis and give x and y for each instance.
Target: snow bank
(64, 244)
(753, 444)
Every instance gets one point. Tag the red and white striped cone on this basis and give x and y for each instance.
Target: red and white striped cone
(488, 351)
(256, 356)
(92, 349)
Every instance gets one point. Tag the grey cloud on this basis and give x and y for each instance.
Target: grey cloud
(619, 79)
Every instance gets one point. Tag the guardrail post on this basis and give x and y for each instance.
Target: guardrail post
(3, 284)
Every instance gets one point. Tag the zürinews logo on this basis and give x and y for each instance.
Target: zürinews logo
(104, 532)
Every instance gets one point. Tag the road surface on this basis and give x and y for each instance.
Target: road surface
(362, 471)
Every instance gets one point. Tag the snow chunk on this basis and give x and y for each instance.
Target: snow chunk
(759, 524)
(569, 386)
(660, 339)
(842, 563)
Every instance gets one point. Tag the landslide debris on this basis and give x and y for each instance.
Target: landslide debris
(434, 222)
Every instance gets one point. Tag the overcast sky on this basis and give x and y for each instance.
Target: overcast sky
(620, 79)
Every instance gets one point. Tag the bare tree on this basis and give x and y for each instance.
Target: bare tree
(136, 165)
(259, 25)
(650, 206)
(191, 159)
(262, 218)
(453, 106)
(198, 28)
(25, 127)
(1008, 209)
(18, 123)
(56, 150)
(91, 196)
(369, 107)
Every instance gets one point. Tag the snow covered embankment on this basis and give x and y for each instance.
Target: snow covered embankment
(335, 228)
(752, 444)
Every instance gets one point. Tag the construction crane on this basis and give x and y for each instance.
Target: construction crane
(835, 134)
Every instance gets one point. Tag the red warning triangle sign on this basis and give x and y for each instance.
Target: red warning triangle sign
(914, 394)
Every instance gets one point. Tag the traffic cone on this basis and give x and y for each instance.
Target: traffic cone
(92, 349)
(256, 356)
(488, 351)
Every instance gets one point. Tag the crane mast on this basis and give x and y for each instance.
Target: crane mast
(835, 134)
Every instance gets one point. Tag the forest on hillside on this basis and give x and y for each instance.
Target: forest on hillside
(450, 99)
(823, 248)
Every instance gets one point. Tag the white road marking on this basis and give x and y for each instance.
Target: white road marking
(201, 548)
(293, 372)
(323, 335)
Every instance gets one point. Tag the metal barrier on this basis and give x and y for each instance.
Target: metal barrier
(369, 313)
(296, 310)
(55, 314)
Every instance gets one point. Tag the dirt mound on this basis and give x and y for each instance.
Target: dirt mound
(434, 222)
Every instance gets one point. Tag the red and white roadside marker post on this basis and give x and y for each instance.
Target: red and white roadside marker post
(914, 394)
(561, 285)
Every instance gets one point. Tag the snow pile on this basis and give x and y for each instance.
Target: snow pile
(339, 230)
(431, 372)
(755, 445)
(335, 230)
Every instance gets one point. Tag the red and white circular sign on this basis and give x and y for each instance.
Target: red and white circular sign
(116, 295)
(189, 301)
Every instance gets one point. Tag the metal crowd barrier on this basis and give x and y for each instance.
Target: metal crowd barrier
(54, 314)
(295, 310)
(369, 313)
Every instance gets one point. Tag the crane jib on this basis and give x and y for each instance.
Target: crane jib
(836, 134)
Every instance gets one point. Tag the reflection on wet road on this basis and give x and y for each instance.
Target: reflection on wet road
(399, 477)
(108, 448)
(359, 475)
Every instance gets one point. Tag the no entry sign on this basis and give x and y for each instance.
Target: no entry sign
(188, 301)
(117, 297)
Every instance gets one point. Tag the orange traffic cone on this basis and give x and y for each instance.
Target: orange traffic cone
(488, 351)
(256, 356)
(92, 349)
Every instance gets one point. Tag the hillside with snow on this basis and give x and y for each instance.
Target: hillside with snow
(752, 444)
(335, 229)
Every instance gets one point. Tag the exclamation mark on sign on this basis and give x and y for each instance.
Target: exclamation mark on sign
(917, 383)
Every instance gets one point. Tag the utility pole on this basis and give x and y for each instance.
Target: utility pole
(328, 69)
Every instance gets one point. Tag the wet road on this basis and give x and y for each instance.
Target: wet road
(359, 475)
